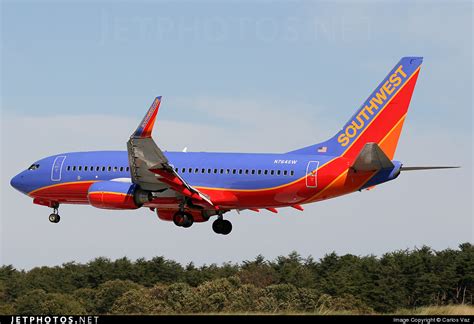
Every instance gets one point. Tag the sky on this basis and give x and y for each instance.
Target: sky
(251, 76)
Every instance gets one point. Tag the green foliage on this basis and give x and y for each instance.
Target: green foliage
(293, 270)
(258, 273)
(343, 304)
(7, 309)
(38, 302)
(135, 302)
(334, 284)
(182, 299)
(108, 292)
(87, 298)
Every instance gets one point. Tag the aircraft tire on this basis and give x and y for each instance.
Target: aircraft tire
(226, 227)
(189, 220)
(54, 218)
(221, 226)
(217, 226)
(179, 218)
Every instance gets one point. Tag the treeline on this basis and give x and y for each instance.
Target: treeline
(397, 280)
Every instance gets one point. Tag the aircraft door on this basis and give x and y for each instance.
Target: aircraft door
(312, 174)
(57, 168)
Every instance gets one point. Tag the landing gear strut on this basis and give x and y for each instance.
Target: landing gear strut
(54, 217)
(183, 219)
(222, 226)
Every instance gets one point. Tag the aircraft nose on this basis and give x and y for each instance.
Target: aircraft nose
(18, 182)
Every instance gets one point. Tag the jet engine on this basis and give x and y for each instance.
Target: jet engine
(117, 195)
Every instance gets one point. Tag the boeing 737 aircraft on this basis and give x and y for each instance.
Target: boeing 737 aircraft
(186, 187)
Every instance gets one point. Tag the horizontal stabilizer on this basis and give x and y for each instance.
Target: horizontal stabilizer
(428, 168)
(372, 158)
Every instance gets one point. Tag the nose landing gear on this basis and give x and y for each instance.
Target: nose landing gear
(54, 217)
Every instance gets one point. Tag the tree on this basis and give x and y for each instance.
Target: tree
(284, 295)
(290, 270)
(182, 299)
(13, 283)
(465, 273)
(136, 302)
(108, 292)
(38, 302)
(243, 300)
(216, 295)
(87, 298)
(347, 283)
(258, 273)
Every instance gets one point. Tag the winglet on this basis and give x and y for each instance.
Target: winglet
(146, 126)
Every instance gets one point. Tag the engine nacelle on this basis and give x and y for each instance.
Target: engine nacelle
(117, 195)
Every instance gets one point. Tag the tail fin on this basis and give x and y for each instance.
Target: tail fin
(380, 118)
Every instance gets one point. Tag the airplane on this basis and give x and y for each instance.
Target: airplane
(191, 187)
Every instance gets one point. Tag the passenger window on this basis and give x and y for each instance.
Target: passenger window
(209, 171)
(234, 171)
(292, 173)
(272, 172)
(215, 171)
(203, 171)
(115, 169)
(183, 170)
(227, 171)
(265, 172)
(128, 169)
(285, 172)
(222, 171)
(103, 169)
(196, 170)
(109, 169)
(246, 171)
(190, 170)
(240, 171)
(278, 172)
(80, 168)
(121, 169)
(69, 168)
(85, 168)
(259, 172)
(253, 171)
(73, 168)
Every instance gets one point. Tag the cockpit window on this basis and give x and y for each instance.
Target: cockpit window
(34, 167)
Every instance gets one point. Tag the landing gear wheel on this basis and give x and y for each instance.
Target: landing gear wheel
(189, 220)
(221, 226)
(183, 219)
(54, 218)
(217, 226)
(226, 228)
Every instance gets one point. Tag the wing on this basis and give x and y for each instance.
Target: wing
(150, 168)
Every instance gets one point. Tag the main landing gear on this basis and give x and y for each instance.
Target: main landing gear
(222, 226)
(54, 217)
(183, 219)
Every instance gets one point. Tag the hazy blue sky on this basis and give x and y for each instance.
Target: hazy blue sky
(257, 76)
